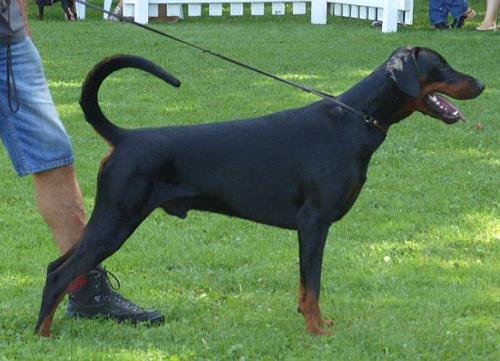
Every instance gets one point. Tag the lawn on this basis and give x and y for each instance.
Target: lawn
(411, 273)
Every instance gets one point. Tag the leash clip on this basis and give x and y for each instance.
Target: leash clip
(368, 119)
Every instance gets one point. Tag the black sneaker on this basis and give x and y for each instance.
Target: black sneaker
(98, 298)
(442, 26)
(458, 23)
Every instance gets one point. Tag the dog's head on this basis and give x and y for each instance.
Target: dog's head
(425, 76)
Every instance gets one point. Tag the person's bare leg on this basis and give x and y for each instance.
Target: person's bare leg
(489, 22)
(61, 204)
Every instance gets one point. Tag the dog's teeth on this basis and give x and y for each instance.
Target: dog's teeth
(455, 113)
(434, 99)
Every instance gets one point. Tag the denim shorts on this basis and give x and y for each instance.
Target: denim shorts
(34, 136)
(439, 9)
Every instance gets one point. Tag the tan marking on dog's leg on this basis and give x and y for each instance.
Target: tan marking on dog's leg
(47, 322)
(309, 307)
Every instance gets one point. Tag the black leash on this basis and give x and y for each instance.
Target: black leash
(365, 117)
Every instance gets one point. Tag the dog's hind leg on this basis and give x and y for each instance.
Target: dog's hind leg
(63, 258)
(69, 10)
(114, 219)
(313, 231)
(101, 239)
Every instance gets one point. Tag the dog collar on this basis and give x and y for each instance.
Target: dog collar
(374, 122)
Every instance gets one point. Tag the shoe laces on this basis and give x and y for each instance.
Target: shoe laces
(125, 303)
(107, 275)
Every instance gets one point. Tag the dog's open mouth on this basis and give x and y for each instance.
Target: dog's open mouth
(441, 108)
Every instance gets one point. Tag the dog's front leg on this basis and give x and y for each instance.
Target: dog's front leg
(312, 230)
(40, 10)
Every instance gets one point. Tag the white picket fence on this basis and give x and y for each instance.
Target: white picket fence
(390, 12)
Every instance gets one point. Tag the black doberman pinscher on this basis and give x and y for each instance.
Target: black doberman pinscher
(67, 5)
(298, 169)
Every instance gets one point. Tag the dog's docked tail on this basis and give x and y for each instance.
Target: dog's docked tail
(90, 88)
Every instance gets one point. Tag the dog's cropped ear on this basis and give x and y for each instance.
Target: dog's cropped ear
(402, 68)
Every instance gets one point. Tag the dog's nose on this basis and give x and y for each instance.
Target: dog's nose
(480, 86)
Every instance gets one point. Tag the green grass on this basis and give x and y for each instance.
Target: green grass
(411, 273)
